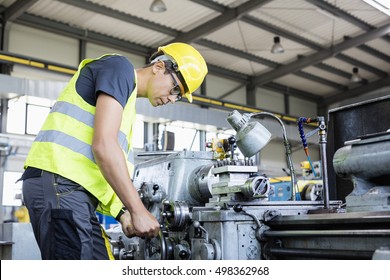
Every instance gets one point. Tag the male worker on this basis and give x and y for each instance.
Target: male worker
(81, 160)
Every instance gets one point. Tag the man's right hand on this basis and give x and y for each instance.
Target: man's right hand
(142, 224)
(145, 224)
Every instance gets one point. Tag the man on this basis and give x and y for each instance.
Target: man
(81, 160)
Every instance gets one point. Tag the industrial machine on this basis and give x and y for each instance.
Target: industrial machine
(214, 206)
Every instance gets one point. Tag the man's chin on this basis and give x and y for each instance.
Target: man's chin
(154, 103)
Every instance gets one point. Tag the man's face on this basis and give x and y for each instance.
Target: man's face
(165, 87)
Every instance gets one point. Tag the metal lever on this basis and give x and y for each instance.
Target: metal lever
(238, 208)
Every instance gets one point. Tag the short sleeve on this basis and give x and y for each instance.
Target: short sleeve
(113, 75)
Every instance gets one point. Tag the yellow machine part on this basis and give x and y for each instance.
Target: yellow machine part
(22, 215)
(301, 183)
(220, 147)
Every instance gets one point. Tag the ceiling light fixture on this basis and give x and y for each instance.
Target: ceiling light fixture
(355, 78)
(157, 6)
(277, 47)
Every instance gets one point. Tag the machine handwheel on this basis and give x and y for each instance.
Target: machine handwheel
(155, 248)
(158, 248)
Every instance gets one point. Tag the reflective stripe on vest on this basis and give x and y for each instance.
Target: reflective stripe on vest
(73, 143)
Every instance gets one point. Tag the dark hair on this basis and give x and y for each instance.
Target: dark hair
(169, 67)
(155, 54)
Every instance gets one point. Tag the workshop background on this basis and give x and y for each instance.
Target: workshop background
(330, 54)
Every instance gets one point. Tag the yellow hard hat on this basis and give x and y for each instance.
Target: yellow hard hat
(190, 65)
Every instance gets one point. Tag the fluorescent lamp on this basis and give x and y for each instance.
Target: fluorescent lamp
(277, 47)
(157, 6)
(355, 78)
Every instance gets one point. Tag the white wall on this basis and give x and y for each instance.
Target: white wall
(269, 100)
(302, 108)
(217, 87)
(43, 45)
(93, 50)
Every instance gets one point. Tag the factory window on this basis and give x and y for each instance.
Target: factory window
(12, 192)
(36, 116)
(26, 114)
(138, 134)
(16, 116)
(182, 137)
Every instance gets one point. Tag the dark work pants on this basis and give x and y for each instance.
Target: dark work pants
(63, 218)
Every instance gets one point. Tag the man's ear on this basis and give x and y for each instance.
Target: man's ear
(158, 66)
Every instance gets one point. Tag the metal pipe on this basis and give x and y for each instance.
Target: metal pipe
(324, 167)
(152, 154)
(321, 253)
(295, 191)
(328, 233)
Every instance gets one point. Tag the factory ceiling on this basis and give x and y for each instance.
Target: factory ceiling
(323, 40)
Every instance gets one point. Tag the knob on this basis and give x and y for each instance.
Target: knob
(196, 224)
(231, 140)
(237, 208)
(183, 255)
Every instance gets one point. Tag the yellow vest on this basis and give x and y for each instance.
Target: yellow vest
(63, 146)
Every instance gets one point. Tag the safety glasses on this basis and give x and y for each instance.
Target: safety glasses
(176, 91)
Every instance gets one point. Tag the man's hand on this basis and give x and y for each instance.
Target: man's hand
(127, 225)
(143, 224)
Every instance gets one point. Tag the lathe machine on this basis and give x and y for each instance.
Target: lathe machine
(214, 207)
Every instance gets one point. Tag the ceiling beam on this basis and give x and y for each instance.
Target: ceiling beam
(372, 51)
(340, 14)
(321, 55)
(240, 12)
(17, 9)
(281, 32)
(169, 31)
(99, 9)
(236, 52)
(320, 80)
(244, 79)
(360, 64)
(336, 71)
(263, 61)
(66, 30)
(211, 5)
(344, 15)
(303, 41)
(355, 92)
(228, 16)
(90, 36)
(286, 34)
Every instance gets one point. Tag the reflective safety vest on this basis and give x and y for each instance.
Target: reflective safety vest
(64, 144)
